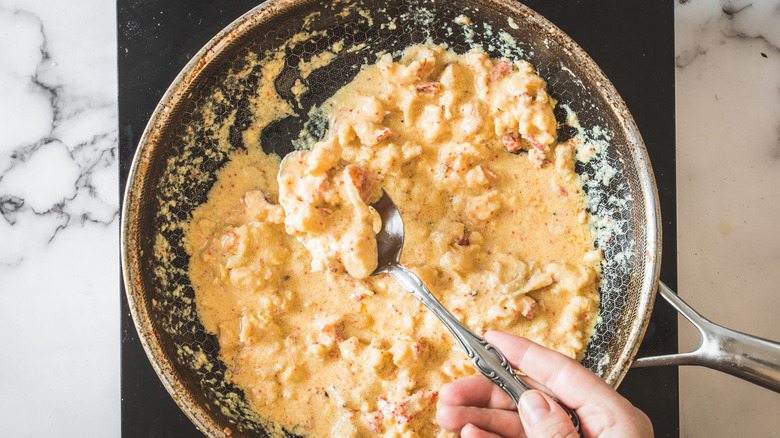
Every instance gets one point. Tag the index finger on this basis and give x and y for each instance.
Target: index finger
(475, 390)
(572, 383)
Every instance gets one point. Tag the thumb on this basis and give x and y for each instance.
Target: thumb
(543, 418)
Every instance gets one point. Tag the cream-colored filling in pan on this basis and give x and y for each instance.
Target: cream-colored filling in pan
(495, 225)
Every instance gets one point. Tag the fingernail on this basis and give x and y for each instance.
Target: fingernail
(534, 406)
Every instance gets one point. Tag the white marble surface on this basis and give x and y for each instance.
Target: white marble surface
(59, 304)
(728, 199)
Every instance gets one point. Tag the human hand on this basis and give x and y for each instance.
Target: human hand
(476, 408)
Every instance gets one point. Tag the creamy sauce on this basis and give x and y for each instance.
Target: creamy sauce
(495, 225)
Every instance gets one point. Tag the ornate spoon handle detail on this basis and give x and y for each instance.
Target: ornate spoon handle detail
(487, 359)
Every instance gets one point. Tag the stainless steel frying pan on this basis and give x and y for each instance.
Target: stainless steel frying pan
(159, 196)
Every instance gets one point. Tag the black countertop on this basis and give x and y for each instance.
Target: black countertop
(632, 42)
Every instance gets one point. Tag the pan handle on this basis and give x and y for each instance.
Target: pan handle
(751, 358)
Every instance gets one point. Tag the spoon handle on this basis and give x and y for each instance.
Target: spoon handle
(487, 359)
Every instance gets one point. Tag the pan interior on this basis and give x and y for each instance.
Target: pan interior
(177, 159)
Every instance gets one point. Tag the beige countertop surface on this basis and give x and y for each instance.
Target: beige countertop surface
(728, 200)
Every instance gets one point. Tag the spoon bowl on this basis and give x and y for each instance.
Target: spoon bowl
(390, 238)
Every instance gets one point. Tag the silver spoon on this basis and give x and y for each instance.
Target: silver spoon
(487, 359)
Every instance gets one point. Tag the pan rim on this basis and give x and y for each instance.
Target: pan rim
(653, 241)
(128, 247)
(129, 250)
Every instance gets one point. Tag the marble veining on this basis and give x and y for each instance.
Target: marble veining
(59, 209)
(58, 157)
(699, 25)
